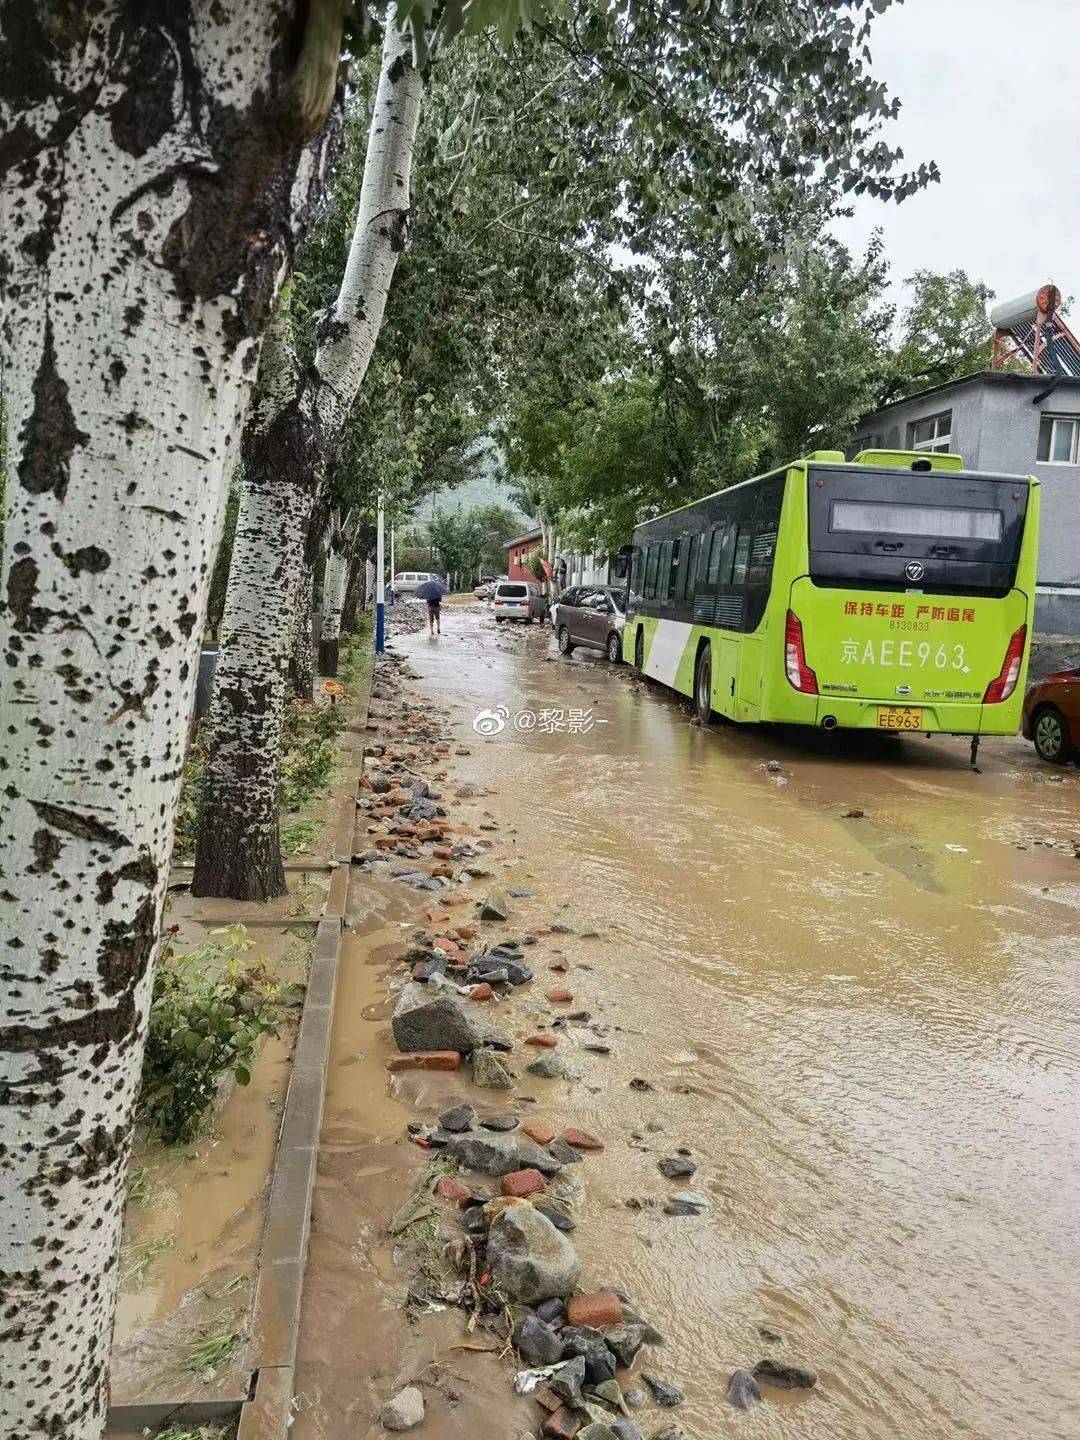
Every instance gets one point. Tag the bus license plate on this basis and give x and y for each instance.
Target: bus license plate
(899, 717)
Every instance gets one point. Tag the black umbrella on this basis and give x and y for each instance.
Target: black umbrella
(432, 590)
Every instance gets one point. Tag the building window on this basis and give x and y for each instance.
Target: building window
(1059, 440)
(934, 433)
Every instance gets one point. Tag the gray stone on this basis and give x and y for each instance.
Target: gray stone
(624, 1342)
(667, 1432)
(490, 1071)
(538, 1157)
(787, 1377)
(743, 1391)
(528, 1258)
(551, 1311)
(431, 965)
(609, 1392)
(663, 1392)
(635, 1398)
(551, 1067)
(483, 1151)
(597, 1431)
(567, 1381)
(403, 1411)
(461, 1117)
(473, 1220)
(558, 1218)
(627, 1430)
(536, 1342)
(500, 1122)
(425, 1022)
(583, 1340)
(564, 1152)
(519, 894)
(686, 1202)
(677, 1167)
(494, 907)
(422, 809)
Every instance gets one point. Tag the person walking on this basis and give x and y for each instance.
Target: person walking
(433, 591)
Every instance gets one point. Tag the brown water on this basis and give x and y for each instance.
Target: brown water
(864, 1028)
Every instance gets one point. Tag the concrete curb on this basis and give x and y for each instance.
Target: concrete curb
(265, 1413)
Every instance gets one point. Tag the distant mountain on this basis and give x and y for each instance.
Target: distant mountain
(486, 486)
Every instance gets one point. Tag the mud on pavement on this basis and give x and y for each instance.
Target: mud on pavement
(801, 1007)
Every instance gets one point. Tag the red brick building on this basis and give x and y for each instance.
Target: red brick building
(518, 553)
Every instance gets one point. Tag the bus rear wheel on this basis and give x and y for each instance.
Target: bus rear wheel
(703, 687)
(639, 649)
(1050, 733)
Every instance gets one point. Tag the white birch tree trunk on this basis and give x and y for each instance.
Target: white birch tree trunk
(151, 173)
(298, 458)
(303, 663)
(334, 582)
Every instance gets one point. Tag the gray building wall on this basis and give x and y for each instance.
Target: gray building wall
(995, 426)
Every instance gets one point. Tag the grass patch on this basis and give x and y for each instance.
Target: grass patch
(212, 1354)
(306, 771)
(210, 1009)
(137, 1258)
(229, 1288)
(298, 837)
(175, 1431)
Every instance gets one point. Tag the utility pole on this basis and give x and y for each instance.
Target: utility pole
(380, 583)
(393, 570)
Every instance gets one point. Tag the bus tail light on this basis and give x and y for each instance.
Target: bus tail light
(799, 674)
(1001, 688)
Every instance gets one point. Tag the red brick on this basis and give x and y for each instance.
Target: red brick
(582, 1140)
(545, 1042)
(482, 991)
(520, 1183)
(450, 1189)
(443, 869)
(425, 1060)
(434, 917)
(466, 932)
(539, 1130)
(563, 1425)
(600, 1309)
(560, 997)
(443, 852)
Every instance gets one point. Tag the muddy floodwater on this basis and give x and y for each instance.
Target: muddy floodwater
(865, 1029)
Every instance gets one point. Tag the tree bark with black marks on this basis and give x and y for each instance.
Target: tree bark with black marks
(156, 163)
(291, 456)
(238, 848)
(302, 666)
(334, 582)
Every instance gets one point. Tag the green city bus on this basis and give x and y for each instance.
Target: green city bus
(893, 592)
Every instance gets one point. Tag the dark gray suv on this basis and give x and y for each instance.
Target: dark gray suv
(593, 616)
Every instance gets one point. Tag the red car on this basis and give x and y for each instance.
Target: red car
(1052, 716)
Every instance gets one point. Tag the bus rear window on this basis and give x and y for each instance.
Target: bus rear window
(873, 517)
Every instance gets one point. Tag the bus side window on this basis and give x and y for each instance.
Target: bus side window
(686, 586)
(663, 570)
(714, 556)
(673, 573)
(726, 555)
(637, 573)
(652, 556)
(703, 560)
(742, 556)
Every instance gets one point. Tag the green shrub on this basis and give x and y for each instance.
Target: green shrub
(306, 771)
(209, 1010)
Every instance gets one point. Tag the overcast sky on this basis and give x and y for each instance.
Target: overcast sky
(991, 91)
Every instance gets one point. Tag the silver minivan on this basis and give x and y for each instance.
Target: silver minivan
(518, 600)
(407, 582)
